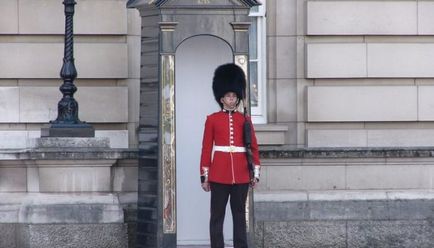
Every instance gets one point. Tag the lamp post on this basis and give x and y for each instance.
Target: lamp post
(67, 123)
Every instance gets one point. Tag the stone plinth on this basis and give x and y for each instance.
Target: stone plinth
(59, 208)
(79, 130)
(74, 176)
(71, 175)
(65, 192)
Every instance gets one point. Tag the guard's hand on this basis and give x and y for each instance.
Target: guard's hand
(205, 186)
(254, 182)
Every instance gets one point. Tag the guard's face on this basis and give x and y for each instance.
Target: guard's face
(229, 100)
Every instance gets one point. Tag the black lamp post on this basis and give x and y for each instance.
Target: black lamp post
(67, 123)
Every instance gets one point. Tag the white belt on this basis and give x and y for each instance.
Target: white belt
(229, 149)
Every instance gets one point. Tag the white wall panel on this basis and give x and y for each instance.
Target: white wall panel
(400, 137)
(368, 176)
(336, 138)
(362, 17)
(370, 137)
(336, 60)
(8, 17)
(372, 60)
(426, 103)
(425, 17)
(118, 138)
(12, 180)
(13, 139)
(362, 103)
(91, 17)
(102, 60)
(9, 104)
(400, 60)
(21, 60)
(104, 104)
(43, 60)
(96, 104)
(305, 177)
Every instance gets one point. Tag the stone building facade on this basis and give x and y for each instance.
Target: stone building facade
(66, 192)
(352, 81)
(346, 144)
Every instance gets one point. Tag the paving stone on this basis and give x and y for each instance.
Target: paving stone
(305, 234)
(259, 234)
(385, 234)
(69, 236)
(7, 235)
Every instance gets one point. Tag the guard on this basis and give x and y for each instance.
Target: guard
(224, 166)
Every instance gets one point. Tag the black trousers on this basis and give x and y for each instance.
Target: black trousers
(219, 198)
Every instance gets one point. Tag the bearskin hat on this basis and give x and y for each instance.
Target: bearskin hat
(228, 78)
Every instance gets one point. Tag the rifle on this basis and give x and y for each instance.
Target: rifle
(247, 135)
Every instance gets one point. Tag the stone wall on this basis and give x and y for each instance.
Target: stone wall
(68, 193)
(327, 221)
(107, 57)
(369, 67)
(352, 81)
(351, 73)
(58, 196)
(352, 198)
(61, 235)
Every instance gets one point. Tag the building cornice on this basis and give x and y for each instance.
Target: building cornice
(161, 3)
(282, 152)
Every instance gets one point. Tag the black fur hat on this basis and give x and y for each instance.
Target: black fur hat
(228, 78)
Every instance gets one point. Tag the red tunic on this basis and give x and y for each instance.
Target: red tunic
(226, 167)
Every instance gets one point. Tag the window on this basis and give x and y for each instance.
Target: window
(257, 64)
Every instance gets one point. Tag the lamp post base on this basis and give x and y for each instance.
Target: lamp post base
(68, 130)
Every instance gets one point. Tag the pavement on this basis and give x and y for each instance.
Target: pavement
(192, 246)
(198, 246)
